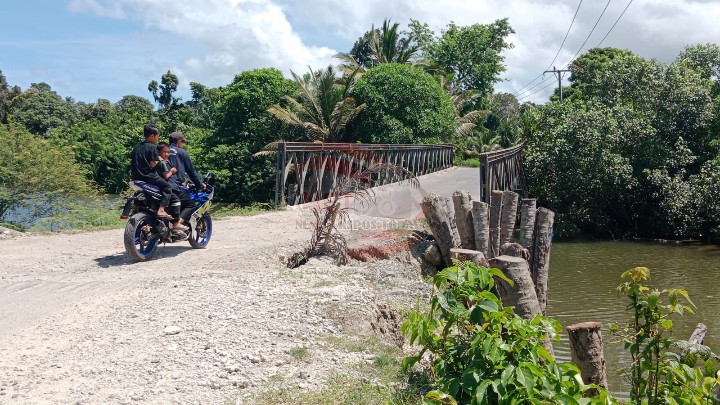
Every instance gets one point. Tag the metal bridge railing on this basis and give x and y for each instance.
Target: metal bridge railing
(502, 170)
(307, 171)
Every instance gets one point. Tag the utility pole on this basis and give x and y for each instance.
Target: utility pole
(559, 74)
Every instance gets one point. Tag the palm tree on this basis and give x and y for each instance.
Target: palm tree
(322, 109)
(386, 46)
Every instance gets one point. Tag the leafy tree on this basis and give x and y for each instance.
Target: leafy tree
(403, 105)
(134, 109)
(163, 93)
(245, 127)
(383, 45)
(471, 56)
(40, 109)
(7, 94)
(323, 110)
(32, 168)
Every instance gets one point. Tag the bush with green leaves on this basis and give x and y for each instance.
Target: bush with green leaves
(244, 127)
(403, 104)
(657, 374)
(482, 353)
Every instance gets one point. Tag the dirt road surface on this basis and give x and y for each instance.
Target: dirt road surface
(80, 323)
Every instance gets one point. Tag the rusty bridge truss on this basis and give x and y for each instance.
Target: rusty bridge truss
(502, 170)
(307, 172)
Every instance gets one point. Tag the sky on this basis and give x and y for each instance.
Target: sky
(92, 49)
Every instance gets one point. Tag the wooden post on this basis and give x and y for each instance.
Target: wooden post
(435, 210)
(586, 351)
(481, 226)
(541, 254)
(468, 255)
(509, 216)
(698, 336)
(527, 223)
(495, 211)
(451, 220)
(516, 250)
(463, 218)
(522, 294)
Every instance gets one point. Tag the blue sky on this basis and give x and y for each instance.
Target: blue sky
(90, 49)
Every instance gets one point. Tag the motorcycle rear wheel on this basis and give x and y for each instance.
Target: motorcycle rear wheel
(139, 244)
(202, 231)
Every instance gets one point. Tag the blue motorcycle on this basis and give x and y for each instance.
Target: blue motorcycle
(145, 231)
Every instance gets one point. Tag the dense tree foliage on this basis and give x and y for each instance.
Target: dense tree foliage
(403, 104)
(633, 150)
(244, 127)
(30, 169)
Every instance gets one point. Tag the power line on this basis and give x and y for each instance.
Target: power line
(559, 49)
(613, 26)
(548, 85)
(528, 90)
(591, 32)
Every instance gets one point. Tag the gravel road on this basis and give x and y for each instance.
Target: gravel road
(81, 323)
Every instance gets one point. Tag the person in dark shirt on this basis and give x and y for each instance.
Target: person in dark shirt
(144, 158)
(180, 160)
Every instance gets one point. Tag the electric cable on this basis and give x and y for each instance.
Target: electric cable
(613, 26)
(558, 52)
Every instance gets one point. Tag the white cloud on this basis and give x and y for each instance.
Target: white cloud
(237, 35)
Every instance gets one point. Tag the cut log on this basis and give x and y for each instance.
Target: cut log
(541, 254)
(522, 294)
(463, 204)
(528, 210)
(509, 216)
(435, 210)
(481, 226)
(451, 220)
(495, 212)
(586, 351)
(468, 255)
(698, 336)
(514, 249)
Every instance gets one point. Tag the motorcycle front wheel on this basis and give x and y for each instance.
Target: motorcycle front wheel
(202, 231)
(140, 244)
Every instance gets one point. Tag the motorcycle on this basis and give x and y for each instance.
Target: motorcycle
(145, 231)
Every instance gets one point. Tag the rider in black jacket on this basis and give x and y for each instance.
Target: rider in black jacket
(144, 158)
(180, 159)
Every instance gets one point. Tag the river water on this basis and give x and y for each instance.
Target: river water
(583, 278)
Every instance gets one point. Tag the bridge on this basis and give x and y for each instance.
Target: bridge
(306, 172)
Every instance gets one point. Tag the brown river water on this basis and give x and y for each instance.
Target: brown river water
(584, 275)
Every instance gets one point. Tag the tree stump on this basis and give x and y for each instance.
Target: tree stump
(522, 295)
(528, 210)
(468, 255)
(698, 336)
(586, 351)
(435, 210)
(463, 218)
(495, 211)
(451, 220)
(515, 250)
(541, 254)
(508, 217)
(481, 226)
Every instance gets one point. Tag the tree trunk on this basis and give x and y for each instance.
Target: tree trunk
(468, 255)
(522, 294)
(515, 250)
(586, 351)
(541, 254)
(509, 216)
(435, 210)
(495, 212)
(698, 336)
(463, 218)
(451, 220)
(481, 226)
(528, 210)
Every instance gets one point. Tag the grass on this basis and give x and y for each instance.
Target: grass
(375, 382)
(224, 210)
(299, 353)
(469, 162)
